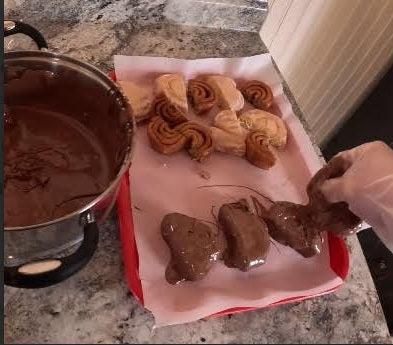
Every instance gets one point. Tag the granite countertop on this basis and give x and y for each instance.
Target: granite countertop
(94, 306)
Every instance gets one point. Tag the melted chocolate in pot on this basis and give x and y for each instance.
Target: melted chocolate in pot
(65, 139)
(53, 166)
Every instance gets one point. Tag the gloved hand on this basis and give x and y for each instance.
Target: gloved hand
(367, 187)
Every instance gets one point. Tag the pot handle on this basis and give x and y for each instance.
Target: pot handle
(46, 272)
(12, 27)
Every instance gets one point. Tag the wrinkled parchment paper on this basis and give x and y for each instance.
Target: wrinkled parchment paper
(162, 184)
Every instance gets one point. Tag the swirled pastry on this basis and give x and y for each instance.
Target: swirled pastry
(258, 94)
(199, 141)
(272, 126)
(168, 111)
(202, 96)
(228, 134)
(174, 88)
(164, 139)
(258, 152)
(140, 99)
(228, 121)
(229, 97)
(227, 142)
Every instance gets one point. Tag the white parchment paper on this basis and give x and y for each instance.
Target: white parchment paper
(162, 184)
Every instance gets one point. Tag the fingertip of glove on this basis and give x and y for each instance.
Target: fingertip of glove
(332, 190)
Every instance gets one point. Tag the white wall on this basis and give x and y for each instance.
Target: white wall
(330, 53)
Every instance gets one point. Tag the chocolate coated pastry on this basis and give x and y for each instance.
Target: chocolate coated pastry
(194, 247)
(335, 168)
(201, 95)
(299, 226)
(258, 152)
(333, 217)
(199, 140)
(337, 219)
(291, 224)
(246, 234)
(164, 139)
(168, 111)
(258, 94)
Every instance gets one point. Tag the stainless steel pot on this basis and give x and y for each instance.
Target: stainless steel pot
(40, 255)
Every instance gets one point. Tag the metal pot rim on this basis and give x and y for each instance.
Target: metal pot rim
(45, 55)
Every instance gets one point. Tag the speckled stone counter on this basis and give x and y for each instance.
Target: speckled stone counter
(95, 306)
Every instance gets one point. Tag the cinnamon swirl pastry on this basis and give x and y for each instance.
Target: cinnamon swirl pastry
(168, 111)
(202, 97)
(174, 88)
(228, 134)
(164, 139)
(258, 94)
(228, 96)
(228, 142)
(199, 141)
(258, 152)
(271, 125)
(140, 99)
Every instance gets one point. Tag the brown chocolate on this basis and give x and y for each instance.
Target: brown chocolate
(9, 120)
(246, 234)
(291, 224)
(194, 247)
(333, 217)
(53, 166)
(299, 226)
(64, 141)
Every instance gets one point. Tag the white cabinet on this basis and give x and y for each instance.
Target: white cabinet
(331, 52)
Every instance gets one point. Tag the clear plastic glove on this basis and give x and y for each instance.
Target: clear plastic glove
(367, 187)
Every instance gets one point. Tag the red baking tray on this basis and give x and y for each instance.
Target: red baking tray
(339, 258)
